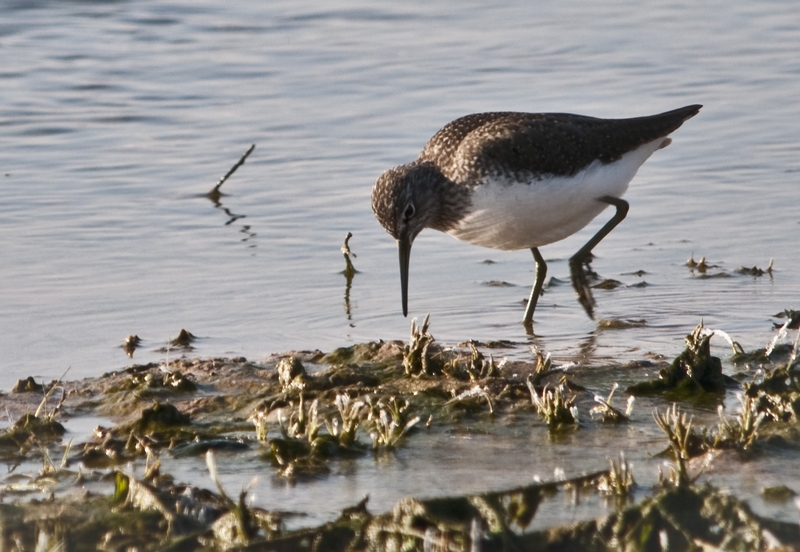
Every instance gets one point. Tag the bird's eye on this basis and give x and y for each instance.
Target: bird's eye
(409, 212)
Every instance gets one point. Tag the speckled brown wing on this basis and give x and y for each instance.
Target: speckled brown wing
(518, 145)
(442, 146)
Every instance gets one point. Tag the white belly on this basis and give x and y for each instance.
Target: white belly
(511, 215)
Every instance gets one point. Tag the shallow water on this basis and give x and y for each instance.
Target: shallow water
(118, 116)
(499, 455)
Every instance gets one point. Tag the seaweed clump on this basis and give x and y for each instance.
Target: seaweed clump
(775, 394)
(34, 432)
(694, 372)
(29, 433)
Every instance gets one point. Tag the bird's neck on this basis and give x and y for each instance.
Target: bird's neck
(445, 201)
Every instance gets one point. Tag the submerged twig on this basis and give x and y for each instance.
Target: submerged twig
(349, 270)
(215, 193)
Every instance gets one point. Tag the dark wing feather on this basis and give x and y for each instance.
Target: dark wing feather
(558, 144)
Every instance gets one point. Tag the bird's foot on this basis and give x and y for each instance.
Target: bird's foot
(581, 275)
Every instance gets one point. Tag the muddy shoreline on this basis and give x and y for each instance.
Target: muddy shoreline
(300, 414)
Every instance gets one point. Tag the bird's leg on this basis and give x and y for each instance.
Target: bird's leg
(580, 280)
(541, 273)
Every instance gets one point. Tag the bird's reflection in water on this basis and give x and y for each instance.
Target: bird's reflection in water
(583, 349)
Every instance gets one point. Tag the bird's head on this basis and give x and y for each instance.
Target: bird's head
(405, 200)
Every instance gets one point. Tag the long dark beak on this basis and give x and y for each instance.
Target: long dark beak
(404, 250)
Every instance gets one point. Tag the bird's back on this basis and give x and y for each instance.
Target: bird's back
(540, 144)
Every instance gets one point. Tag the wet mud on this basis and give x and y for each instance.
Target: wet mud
(302, 412)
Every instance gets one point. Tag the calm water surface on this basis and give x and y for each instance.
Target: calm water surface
(116, 118)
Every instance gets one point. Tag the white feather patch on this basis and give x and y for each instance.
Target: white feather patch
(508, 214)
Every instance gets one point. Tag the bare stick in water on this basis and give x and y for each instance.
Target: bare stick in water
(215, 193)
(349, 270)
